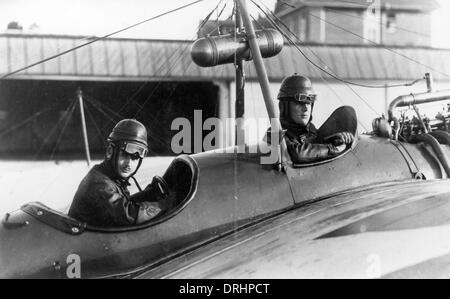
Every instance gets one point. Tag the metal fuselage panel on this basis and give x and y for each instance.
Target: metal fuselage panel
(373, 160)
(231, 192)
(399, 225)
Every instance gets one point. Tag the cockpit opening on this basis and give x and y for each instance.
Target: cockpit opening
(181, 177)
(342, 120)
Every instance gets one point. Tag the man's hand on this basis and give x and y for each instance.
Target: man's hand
(160, 186)
(342, 138)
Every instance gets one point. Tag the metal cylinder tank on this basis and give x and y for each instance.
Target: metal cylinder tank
(216, 50)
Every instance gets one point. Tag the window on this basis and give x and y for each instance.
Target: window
(391, 22)
(3, 115)
(371, 25)
(302, 32)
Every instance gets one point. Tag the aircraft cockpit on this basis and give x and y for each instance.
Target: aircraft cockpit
(343, 119)
(181, 178)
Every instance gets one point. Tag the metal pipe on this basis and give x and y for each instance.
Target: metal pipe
(83, 124)
(430, 82)
(240, 82)
(425, 129)
(263, 82)
(441, 136)
(418, 98)
(217, 50)
(442, 157)
(259, 66)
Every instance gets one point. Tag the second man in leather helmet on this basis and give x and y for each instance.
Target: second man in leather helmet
(297, 99)
(103, 199)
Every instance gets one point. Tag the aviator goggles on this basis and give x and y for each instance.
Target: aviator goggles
(302, 97)
(134, 149)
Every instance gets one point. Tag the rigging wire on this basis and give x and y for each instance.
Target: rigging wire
(170, 95)
(178, 51)
(327, 84)
(292, 42)
(98, 39)
(180, 58)
(25, 121)
(99, 108)
(373, 42)
(55, 127)
(85, 44)
(252, 92)
(331, 89)
(169, 70)
(383, 46)
(378, 21)
(322, 68)
(91, 117)
(218, 16)
(367, 4)
(323, 79)
(67, 121)
(102, 106)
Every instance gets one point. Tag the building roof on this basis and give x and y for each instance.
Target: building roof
(144, 60)
(288, 6)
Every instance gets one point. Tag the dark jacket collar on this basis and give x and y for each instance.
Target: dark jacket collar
(299, 129)
(107, 169)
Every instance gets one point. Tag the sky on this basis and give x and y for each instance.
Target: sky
(100, 17)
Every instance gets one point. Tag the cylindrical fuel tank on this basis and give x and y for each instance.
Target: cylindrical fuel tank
(215, 50)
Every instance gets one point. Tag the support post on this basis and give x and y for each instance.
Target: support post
(263, 79)
(386, 100)
(83, 125)
(259, 65)
(240, 79)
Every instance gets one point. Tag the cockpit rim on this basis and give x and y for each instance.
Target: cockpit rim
(72, 226)
(344, 153)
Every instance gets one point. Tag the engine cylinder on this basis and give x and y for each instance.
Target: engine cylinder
(216, 50)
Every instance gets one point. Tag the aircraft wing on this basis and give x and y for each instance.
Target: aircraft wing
(395, 230)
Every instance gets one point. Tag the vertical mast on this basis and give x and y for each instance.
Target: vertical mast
(259, 65)
(83, 125)
(263, 81)
(240, 79)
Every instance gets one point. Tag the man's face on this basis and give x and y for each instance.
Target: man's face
(300, 112)
(126, 164)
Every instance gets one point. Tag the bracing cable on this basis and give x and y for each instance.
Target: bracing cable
(322, 68)
(375, 43)
(55, 127)
(293, 43)
(98, 39)
(334, 92)
(180, 57)
(67, 121)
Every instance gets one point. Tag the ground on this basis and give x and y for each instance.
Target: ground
(51, 183)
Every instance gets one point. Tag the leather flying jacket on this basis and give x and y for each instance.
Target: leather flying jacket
(103, 200)
(303, 144)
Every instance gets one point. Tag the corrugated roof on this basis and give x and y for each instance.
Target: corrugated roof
(286, 6)
(135, 60)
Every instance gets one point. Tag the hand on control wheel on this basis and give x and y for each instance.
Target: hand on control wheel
(340, 138)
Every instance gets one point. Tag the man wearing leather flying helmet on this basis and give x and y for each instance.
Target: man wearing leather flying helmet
(103, 199)
(296, 102)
